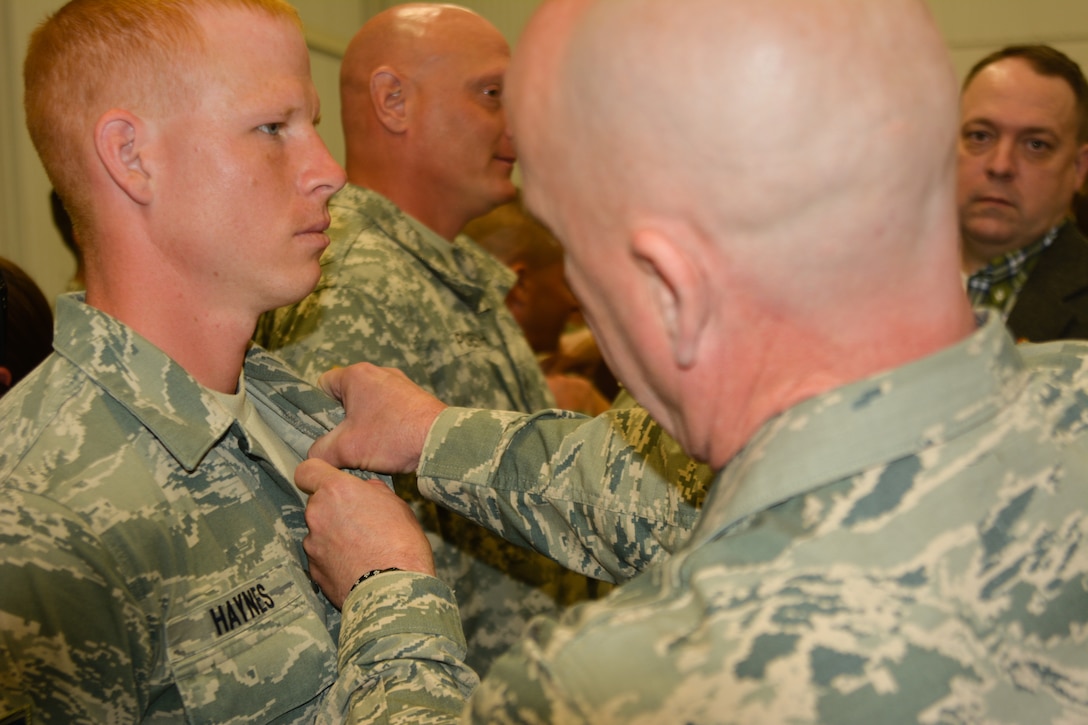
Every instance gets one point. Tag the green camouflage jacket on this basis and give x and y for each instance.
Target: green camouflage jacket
(150, 556)
(907, 548)
(391, 297)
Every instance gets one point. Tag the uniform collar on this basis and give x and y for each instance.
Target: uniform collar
(463, 266)
(865, 424)
(141, 378)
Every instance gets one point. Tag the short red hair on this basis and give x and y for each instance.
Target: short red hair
(94, 55)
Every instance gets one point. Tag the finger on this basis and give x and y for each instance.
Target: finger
(312, 474)
(331, 382)
(341, 448)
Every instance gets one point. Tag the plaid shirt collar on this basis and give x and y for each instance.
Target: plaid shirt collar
(999, 282)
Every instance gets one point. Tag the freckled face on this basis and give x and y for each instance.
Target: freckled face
(245, 178)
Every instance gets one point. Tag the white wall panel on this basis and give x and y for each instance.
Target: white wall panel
(973, 28)
(29, 237)
(329, 27)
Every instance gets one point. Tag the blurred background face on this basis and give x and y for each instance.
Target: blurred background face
(462, 127)
(544, 307)
(1019, 160)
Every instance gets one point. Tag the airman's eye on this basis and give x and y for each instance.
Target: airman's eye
(272, 129)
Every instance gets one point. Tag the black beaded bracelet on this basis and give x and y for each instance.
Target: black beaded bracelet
(364, 577)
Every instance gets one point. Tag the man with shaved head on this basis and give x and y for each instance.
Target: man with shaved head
(757, 199)
(428, 150)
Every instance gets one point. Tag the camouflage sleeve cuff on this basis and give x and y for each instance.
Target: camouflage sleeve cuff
(399, 602)
(402, 653)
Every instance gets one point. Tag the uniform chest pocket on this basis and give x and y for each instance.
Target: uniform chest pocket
(255, 652)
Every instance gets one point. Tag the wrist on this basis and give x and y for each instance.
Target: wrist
(370, 575)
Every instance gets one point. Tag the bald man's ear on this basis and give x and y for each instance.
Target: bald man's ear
(388, 95)
(679, 286)
(119, 137)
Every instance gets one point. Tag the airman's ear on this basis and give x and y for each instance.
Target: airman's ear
(388, 94)
(5, 378)
(679, 286)
(118, 139)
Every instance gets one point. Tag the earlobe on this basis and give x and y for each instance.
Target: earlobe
(389, 98)
(679, 287)
(118, 140)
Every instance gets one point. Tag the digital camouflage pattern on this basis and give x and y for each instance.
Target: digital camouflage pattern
(907, 548)
(620, 474)
(150, 554)
(391, 297)
(393, 608)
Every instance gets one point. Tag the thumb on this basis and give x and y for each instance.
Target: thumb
(312, 474)
(331, 383)
(328, 448)
(338, 447)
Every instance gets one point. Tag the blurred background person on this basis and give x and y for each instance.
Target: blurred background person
(26, 325)
(542, 303)
(1023, 154)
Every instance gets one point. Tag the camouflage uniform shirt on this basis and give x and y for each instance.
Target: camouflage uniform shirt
(393, 297)
(620, 474)
(389, 296)
(150, 555)
(907, 548)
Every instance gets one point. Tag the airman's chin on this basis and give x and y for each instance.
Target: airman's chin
(297, 289)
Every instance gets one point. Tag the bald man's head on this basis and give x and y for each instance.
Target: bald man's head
(746, 115)
(421, 94)
(760, 187)
(404, 36)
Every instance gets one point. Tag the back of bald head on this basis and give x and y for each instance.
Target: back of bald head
(761, 121)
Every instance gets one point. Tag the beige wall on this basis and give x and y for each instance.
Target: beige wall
(971, 28)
